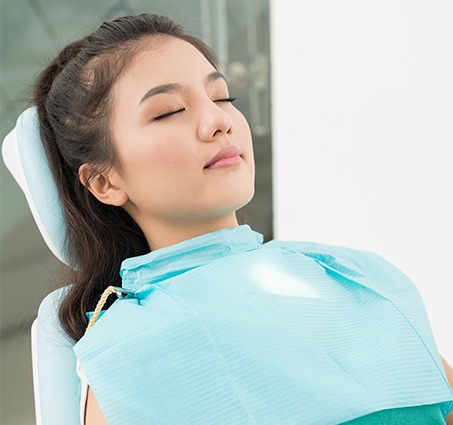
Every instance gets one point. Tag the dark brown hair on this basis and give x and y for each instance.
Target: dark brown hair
(73, 99)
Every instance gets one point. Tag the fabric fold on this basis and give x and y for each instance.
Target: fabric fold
(226, 330)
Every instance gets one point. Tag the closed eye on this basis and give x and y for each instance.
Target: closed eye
(167, 114)
(228, 99)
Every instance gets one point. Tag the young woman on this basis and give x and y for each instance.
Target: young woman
(152, 161)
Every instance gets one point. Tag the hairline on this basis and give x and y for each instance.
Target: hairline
(123, 57)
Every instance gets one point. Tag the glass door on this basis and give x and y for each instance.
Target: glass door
(239, 32)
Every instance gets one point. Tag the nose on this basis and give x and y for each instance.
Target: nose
(214, 122)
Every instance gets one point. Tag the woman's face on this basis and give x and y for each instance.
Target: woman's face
(185, 152)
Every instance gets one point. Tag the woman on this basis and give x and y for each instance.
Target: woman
(152, 161)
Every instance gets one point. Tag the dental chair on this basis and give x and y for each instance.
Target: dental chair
(57, 387)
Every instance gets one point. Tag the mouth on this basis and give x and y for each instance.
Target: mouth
(225, 157)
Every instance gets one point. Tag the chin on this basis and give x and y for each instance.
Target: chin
(241, 203)
(227, 207)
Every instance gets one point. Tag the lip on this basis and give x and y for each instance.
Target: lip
(227, 156)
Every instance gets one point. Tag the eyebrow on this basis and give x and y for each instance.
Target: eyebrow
(213, 76)
(176, 87)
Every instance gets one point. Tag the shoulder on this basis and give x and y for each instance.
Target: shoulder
(358, 264)
(322, 251)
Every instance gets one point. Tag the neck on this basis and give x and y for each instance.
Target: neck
(161, 234)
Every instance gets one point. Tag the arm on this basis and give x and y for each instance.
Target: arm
(93, 414)
(449, 374)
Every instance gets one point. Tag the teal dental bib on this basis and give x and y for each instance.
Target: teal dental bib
(224, 329)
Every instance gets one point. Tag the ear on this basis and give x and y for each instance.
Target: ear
(101, 186)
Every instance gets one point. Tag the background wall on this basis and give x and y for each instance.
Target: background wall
(363, 135)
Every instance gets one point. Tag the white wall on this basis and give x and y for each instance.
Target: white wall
(363, 135)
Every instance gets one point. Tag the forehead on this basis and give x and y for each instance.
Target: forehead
(165, 59)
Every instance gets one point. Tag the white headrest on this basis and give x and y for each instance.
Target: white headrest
(24, 156)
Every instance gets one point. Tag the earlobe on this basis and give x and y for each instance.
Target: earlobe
(102, 187)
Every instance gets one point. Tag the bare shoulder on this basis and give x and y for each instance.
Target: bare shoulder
(93, 414)
(449, 374)
(448, 371)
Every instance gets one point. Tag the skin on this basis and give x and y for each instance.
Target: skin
(161, 179)
(449, 373)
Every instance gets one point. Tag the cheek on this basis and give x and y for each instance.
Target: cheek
(147, 153)
(243, 129)
(167, 163)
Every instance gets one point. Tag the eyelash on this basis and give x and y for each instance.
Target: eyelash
(168, 114)
(163, 116)
(228, 99)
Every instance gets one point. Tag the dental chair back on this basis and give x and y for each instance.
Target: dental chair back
(57, 387)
